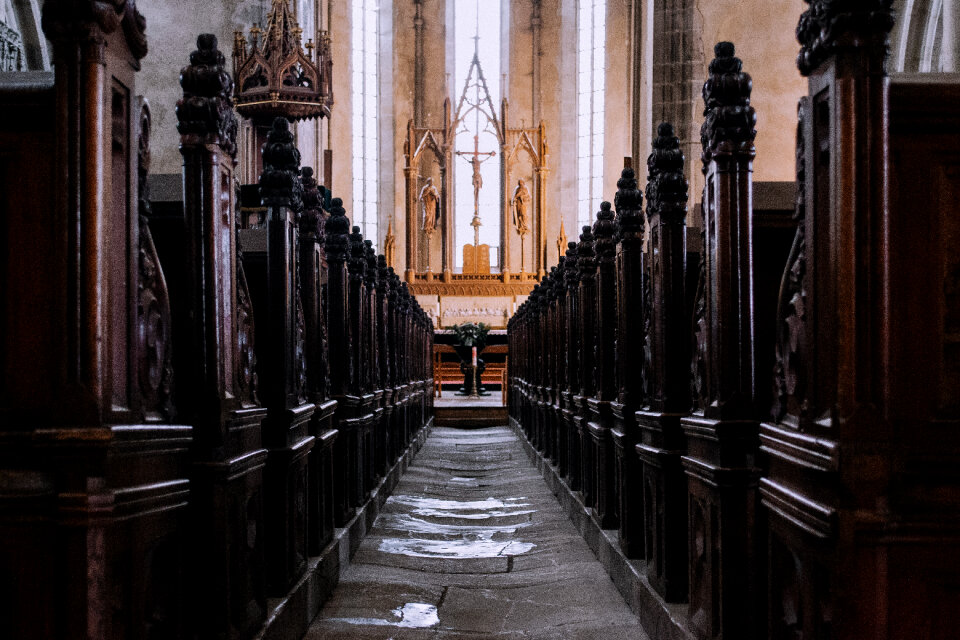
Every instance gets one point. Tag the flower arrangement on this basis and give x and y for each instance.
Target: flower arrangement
(470, 334)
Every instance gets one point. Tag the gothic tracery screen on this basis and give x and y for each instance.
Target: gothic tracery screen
(477, 30)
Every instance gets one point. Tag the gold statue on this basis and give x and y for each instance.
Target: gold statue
(520, 202)
(430, 206)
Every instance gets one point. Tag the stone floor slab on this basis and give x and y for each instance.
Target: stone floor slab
(473, 545)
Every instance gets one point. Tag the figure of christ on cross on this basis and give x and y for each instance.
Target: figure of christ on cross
(475, 162)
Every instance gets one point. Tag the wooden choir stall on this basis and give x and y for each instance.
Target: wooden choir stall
(192, 424)
(784, 474)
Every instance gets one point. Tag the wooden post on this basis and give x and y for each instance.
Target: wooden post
(320, 488)
(283, 367)
(601, 416)
(721, 436)
(587, 264)
(337, 245)
(216, 353)
(631, 363)
(668, 373)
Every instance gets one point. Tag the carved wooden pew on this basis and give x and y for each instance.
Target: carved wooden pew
(216, 358)
(721, 433)
(587, 265)
(570, 337)
(311, 266)
(282, 366)
(604, 309)
(860, 487)
(633, 317)
(337, 245)
(94, 472)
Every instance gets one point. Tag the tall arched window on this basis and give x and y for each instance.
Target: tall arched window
(591, 35)
(477, 188)
(366, 142)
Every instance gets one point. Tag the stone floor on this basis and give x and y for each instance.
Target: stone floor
(473, 544)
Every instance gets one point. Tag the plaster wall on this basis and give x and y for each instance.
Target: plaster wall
(763, 32)
(172, 30)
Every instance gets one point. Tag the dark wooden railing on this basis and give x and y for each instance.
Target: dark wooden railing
(783, 457)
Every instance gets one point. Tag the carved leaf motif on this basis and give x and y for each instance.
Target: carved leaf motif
(788, 379)
(698, 367)
(300, 353)
(154, 355)
(647, 371)
(246, 354)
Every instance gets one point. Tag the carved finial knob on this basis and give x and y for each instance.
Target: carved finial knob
(280, 181)
(729, 119)
(628, 202)
(206, 111)
(666, 183)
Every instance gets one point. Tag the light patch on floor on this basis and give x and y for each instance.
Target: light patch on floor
(489, 508)
(409, 523)
(458, 549)
(413, 615)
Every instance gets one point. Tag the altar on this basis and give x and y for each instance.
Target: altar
(477, 166)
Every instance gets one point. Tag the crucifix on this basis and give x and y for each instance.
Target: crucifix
(475, 162)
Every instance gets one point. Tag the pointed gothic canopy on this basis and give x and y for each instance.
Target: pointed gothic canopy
(476, 97)
(277, 75)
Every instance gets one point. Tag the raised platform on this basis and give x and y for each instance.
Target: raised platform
(469, 413)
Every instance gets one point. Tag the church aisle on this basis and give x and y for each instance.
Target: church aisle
(474, 545)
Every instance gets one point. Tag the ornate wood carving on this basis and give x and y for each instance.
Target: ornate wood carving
(829, 27)
(662, 442)
(90, 20)
(789, 378)
(154, 330)
(205, 112)
(276, 77)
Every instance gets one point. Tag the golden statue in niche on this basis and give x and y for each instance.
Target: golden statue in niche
(430, 207)
(521, 203)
